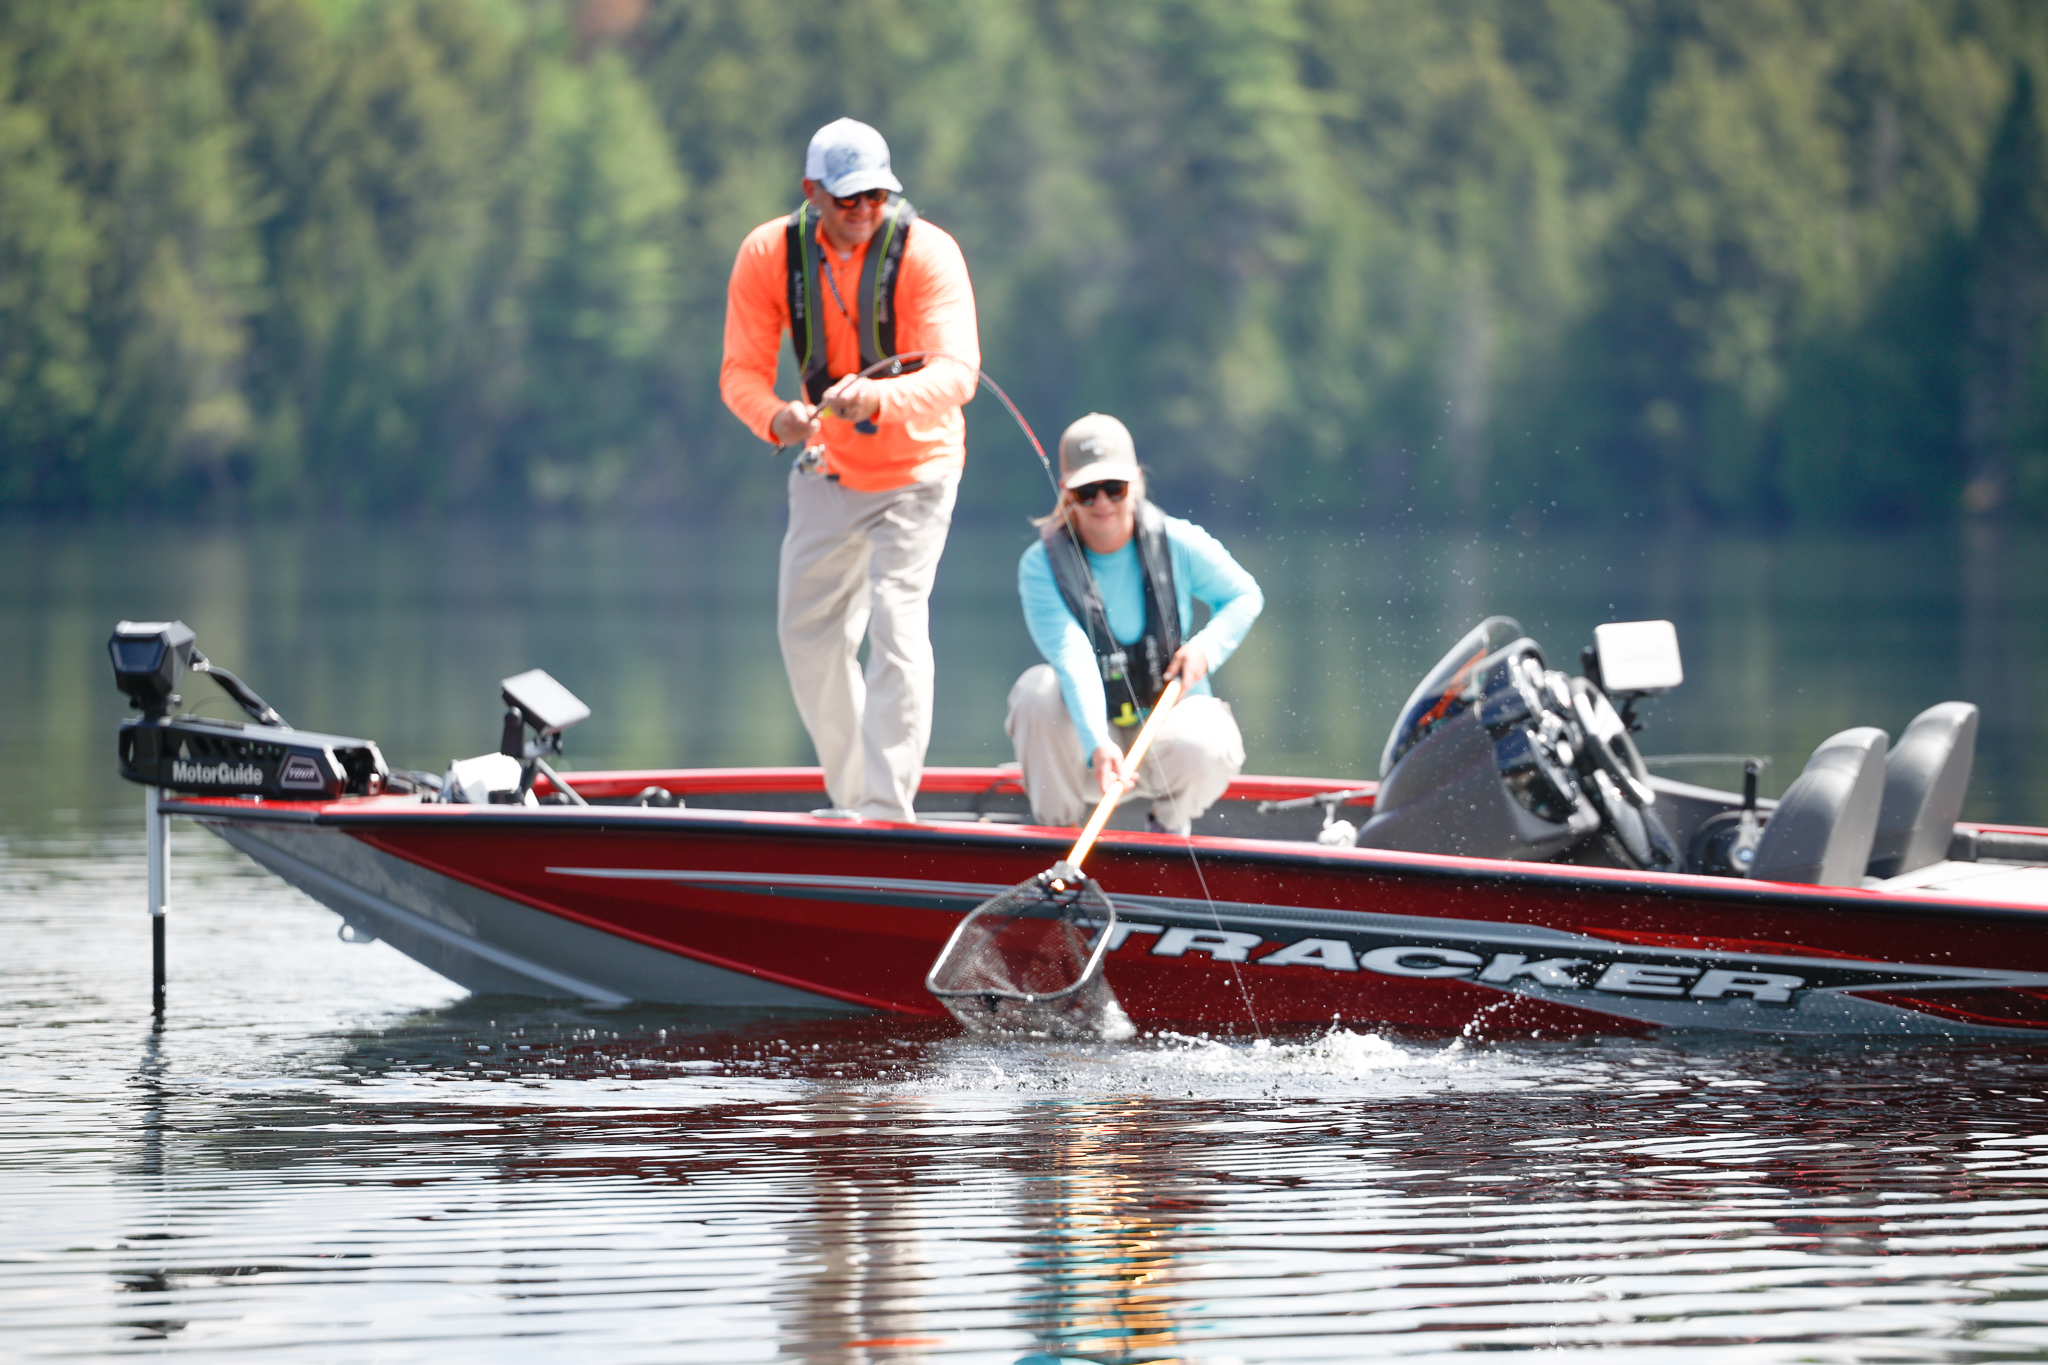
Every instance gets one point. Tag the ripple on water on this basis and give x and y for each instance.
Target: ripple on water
(329, 1153)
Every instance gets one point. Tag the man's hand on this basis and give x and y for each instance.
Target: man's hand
(1110, 773)
(796, 424)
(1189, 664)
(854, 398)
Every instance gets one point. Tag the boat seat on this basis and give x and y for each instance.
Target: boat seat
(1925, 776)
(1825, 822)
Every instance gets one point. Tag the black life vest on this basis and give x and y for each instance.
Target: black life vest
(876, 295)
(1133, 675)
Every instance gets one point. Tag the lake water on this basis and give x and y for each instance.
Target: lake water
(326, 1153)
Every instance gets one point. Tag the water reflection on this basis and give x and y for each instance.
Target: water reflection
(150, 1167)
(856, 1259)
(1104, 1251)
(281, 1176)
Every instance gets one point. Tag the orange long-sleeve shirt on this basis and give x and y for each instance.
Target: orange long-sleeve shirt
(921, 432)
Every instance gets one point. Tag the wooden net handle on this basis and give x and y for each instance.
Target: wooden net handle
(1131, 762)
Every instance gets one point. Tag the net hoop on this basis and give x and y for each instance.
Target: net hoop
(1076, 886)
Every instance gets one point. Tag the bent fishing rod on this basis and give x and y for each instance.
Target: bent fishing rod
(994, 388)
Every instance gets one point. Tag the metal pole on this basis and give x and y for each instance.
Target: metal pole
(159, 888)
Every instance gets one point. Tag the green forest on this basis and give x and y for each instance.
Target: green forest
(1746, 261)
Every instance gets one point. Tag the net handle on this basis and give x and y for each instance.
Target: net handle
(1131, 762)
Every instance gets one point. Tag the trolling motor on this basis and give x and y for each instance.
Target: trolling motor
(200, 754)
(197, 754)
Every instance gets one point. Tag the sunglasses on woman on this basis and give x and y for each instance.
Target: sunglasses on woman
(1114, 489)
(875, 196)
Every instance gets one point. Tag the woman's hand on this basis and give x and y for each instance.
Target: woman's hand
(1110, 773)
(1189, 664)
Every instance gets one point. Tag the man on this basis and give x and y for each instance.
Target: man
(854, 276)
(1108, 592)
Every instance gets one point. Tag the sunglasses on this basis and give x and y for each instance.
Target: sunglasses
(1114, 489)
(874, 196)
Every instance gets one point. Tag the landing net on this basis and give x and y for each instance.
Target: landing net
(1029, 961)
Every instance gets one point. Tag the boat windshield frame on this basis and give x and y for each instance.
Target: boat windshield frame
(1447, 689)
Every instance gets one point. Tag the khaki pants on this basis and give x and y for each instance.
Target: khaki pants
(1195, 754)
(854, 565)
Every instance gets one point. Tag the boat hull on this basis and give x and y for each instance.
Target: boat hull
(763, 908)
(484, 941)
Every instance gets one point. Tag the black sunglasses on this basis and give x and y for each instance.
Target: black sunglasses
(875, 196)
(1114, 488)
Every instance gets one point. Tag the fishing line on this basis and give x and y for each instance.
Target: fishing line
(996, 388)
(1045, 464)
(1217, 920)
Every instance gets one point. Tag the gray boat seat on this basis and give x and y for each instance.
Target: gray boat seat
(1925, 776)
(1822, 830)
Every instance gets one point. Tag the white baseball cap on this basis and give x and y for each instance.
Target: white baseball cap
(1097, 447)
(846, 157)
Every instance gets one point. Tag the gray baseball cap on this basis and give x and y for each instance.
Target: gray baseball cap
(1097, 447)
(846, 156)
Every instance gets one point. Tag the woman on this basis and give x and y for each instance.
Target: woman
(1108, 591)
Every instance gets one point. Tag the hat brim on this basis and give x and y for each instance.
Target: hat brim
(1100, 470)
(860, 181)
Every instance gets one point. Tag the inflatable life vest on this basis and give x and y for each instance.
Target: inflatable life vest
(876, 295)
(1133, 675)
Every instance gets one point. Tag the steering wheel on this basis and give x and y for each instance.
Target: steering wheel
(1618, 781)
(1608, 741)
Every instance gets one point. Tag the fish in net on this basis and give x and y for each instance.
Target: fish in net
(1029, 961)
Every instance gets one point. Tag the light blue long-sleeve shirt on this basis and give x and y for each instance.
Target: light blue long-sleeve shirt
(1202, 569)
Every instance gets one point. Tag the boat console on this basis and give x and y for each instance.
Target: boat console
(1497, 755)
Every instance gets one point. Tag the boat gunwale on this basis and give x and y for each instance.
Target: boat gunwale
(366, 813)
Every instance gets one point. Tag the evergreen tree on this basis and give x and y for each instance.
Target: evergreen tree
(129, 172)
(2007, 298)
(49, 372)
(1742, 259)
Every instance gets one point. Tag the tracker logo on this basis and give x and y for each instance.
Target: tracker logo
(1578, 973)
(1667, 979)
(300, 771)
(215, 774)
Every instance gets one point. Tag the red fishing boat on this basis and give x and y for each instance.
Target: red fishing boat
(1517, 870)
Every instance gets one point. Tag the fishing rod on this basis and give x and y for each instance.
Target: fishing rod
(982, 375)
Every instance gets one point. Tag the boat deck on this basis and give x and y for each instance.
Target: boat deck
(2009, 882)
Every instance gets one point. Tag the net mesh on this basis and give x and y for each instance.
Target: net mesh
(1020, 963)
